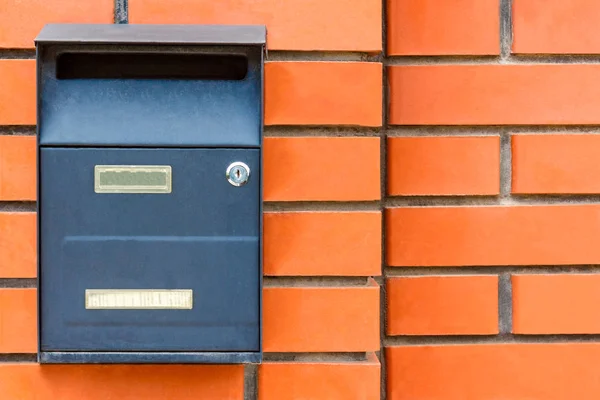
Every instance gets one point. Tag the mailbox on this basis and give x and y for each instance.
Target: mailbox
(150, 193)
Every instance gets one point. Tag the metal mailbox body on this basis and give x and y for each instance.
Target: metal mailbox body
(148, 251)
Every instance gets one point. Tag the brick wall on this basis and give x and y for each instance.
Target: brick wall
(434, 234)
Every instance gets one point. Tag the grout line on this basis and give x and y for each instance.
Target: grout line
(18, 358)
(550, 200)
(554, 59)
(398, 132)
(487, 130)
(121, 17)
(121, 12)
(18, 130)
(383, 167)
(391, 202)
(387, 131)
(382, 332)
(491, 201)
(321, 131)
(467, 130)
(488, 339)
(315, 357)
(323, 56)
(529, 59)
(250, 382)
(20, 283)
(427, 340)
(392, 272)
(505, 166)
(506, 29)
(441, 201)
(18, 206)
(315, 281)
(504, 303)
(312, 206)
(17, 54)
(427, 130)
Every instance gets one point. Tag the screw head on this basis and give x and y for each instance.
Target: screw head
(237, 173)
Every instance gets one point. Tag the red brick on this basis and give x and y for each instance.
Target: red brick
(443, 165)
(18, 321)
(556, 164)
(349, 25)
(499, 235)
(17, 168)
(321, 319)
(322, 243)
(430, 27)
(18, 245)
(321, 168)
(323, 93)
(320, 380)
(494, 371)
(21, 20)
(556, 26)
(17, 92)
(124, 382)
(566, 304)
(442, 305)
(494, 94)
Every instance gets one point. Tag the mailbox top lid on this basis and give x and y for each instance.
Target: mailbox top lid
(153, 34)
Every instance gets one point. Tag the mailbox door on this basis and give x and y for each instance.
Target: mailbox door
(129, 264)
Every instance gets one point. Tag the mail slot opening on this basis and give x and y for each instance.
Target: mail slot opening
(91, 65)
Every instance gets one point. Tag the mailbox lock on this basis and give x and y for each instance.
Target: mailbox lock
(237, 173)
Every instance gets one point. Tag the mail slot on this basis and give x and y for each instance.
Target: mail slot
(150, 193)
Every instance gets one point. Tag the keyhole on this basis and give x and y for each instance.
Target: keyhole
(237, 173)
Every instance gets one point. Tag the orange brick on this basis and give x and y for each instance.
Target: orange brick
(320, 380)
(494, 94)
(443, 165)
(292, 24)
(321, 319)
(21, 20)
(430, 27)
(442, 305)
(323, 93)
(556, 164)
(556, 26)
(123, 382)
(18, 245)
(556, 304)
(322, 243)
(494, 371)
(519, 235)
(18, 321)
(17, 168)
(17, 92)
(321, 168)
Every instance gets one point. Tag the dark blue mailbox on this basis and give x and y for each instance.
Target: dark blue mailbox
(150, 194)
